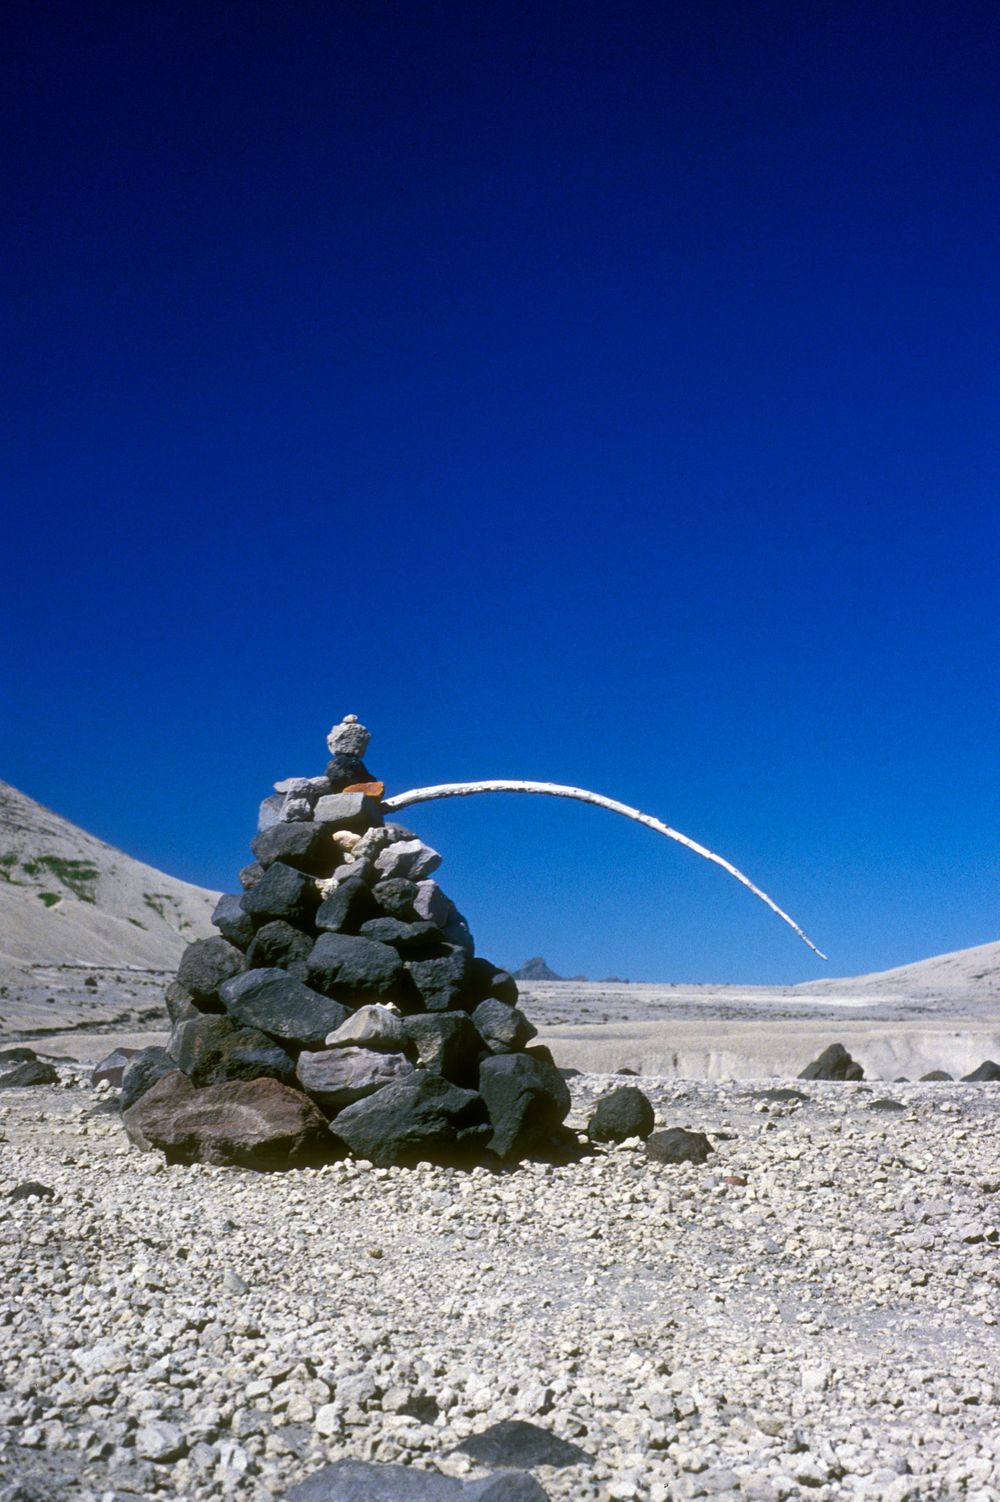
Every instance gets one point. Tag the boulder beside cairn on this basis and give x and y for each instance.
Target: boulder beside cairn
(343, 1009)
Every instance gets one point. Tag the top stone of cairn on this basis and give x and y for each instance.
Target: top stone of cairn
(349, 738)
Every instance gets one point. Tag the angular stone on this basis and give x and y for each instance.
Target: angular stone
(296, 810)
(281, 1006)
(159, 1441)
(367, 1481)
(412, 940)
(353, 811)
(212, 1049)
(270, 811)
(355, 970)
(302, 787)
(886, 1103)
(342, 771)
(408, 858)
(303, 846)
(987, 1071)
(350, 904)
(282, 893)
(935, 1075)
(422, 1117)
(31, 1072)
(337, 1077)
(526, 1098)
(443, 983)
(446, 1043)
(21, 1055)
(502, 1028)
(181, 1005)
(279, 945)
(624, 1113)
(677, 1145)
(205, 965)
(395, 897)
(371, 1027)
(251, 875)
(349, 738)
(256, 1123)
(489, 980)
(430, 902)
(143, 1072)
(834, 1063)
(515, 1442)
(111, 1069)
(232, 922)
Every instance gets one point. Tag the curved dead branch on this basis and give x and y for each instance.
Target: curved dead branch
(582, 795)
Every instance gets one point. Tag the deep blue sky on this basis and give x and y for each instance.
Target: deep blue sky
(599, 393)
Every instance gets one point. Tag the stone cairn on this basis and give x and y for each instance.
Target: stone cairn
(342, 1009)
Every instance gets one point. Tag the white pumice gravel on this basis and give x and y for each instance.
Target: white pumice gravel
(826, 1329)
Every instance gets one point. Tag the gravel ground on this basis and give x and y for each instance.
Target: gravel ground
(825, 1329)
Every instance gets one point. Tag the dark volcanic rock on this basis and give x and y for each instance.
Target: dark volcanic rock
(443, 983)
(355, 970)
(396, 896)
(256, 1123)
(935, 1074)
(111, 1069)
(412, 940)
(17, 1056)
(30, 1188)
(251, 875)
(231, 921)
(834, 1063)
(502, 1028)
(779, 1093)
(181, 1004)
(343, 770)
(31, 1072)
(885, 1103)
(142, 1074)
(515, 1442)
(622, 1114)
(304, 846)
(337, 1077)
(350, 904)
(446, 1043)
(212, 1049)
(206, 965)
(987, 1071)
(366, 1481)
(280, 946)
(423, 1117)
(677, 1145)
(278, 1004)
(282, 893)
(526, 1099)
(487, 979)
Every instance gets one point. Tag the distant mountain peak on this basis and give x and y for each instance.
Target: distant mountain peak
(536, 969)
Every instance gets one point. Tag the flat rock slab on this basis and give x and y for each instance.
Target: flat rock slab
(515, 1442)
(281, 1006)
(363, 1481)
(31, 1072)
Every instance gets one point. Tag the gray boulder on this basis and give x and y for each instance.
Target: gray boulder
(111, 1069)
(282, 893)
(395, 896)
(444, 982)
(251, 875)
(303, 846)
(422, 1117)
(279, 945)
(181, 1004)
(337, 1077)
(677, 1145)
(624, 1113)
(31, 1072)
(373, 1026)
(446, 1043)
(526, 1098)
(205, 965)
(355, 970)
(211, 1049)
(281, 1006)
(232, 922)
(430, 902)
(412, 940)
(269, 813)
(408, 858)
(502, 1028)
(354, 811)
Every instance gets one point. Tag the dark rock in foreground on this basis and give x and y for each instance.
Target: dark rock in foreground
(143, 1072)
(526, 1098)
(623, 1114)
(677, 1145)
(31, 1072)
(278, 1004)
(248, 1123)
(365, 1481)
(422, 1117)
(111, 1069)
(986, 1072)
(834, 1063)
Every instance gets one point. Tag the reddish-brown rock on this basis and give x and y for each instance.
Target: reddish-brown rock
(250, 1123)
(373, 789)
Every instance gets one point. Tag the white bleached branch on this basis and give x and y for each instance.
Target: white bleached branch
(582, 795)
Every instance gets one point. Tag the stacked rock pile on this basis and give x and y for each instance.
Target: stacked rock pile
(342, 1009)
